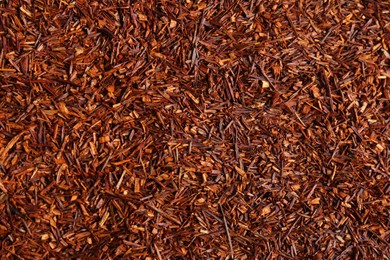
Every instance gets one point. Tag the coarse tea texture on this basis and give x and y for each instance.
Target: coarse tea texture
(194, 129)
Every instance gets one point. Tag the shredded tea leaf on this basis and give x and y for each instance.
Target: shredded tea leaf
(194, 129)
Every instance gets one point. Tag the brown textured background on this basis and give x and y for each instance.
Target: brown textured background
(194, 129)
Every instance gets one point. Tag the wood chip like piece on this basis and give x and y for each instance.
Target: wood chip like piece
(315, 201)
(240, 171)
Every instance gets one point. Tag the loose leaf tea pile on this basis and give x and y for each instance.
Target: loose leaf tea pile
(194, 129)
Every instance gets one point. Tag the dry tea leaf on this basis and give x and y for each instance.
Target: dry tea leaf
(240, 171)
(265, 84)
(62, 107)
(194, 129)
(315, 91)
(315, 201)
(172, 24)
(266, 210)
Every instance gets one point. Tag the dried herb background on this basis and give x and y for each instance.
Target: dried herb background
(194, 129)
